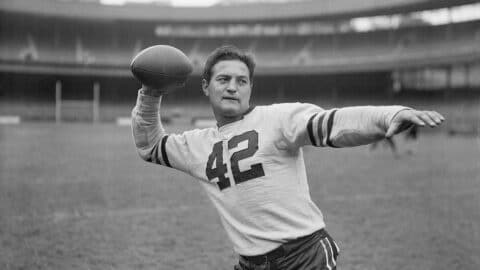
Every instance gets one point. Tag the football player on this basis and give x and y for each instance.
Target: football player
(251, 164)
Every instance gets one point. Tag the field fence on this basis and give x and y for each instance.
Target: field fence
(463, 117)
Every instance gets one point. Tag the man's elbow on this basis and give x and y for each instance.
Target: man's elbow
(144, 155)
(149, 154)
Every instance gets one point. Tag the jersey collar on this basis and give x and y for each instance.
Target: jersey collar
(251, 108)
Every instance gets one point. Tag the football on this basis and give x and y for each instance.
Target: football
(161, 65)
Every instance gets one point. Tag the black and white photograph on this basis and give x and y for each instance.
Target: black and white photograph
(239, 134)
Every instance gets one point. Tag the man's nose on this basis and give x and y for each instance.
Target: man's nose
(232, 86)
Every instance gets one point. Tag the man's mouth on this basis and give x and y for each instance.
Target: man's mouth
(230, 98)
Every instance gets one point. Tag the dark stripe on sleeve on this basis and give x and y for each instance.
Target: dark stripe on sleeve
(154, 155)
(164, 151)
(310, 129)
(329, 128)
(320, 129)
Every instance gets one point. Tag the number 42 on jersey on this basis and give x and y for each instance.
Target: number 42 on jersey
(216, 168)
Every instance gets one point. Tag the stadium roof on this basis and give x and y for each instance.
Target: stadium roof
(315, 9)
(190, 3)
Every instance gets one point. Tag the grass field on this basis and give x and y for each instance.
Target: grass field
(77, 196)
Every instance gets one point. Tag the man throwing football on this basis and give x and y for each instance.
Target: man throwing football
(251, 164)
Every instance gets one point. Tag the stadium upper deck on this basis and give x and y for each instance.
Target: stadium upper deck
(34, 43)
(311, 9)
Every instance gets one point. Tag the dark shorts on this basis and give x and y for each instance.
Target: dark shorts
(317, 251)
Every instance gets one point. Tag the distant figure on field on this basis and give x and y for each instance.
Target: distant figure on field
(389, 142)
(411, 136)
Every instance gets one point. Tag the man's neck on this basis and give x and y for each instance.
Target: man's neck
(224, 120)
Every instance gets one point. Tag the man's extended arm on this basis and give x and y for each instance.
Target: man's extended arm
(353, 126)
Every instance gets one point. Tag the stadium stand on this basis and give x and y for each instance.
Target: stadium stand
(53, 40)
(109, 44)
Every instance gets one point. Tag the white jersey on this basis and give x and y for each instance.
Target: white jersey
(253, 169)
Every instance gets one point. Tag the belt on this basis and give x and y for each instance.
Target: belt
(269, 256)
(281, 250)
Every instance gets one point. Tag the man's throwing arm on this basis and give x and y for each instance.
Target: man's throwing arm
(153, 143)
(148, 132)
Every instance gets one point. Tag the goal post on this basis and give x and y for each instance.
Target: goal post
(96, 102)
(58, 102)
(77, 106)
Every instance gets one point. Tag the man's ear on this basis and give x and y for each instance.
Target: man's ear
(205, 87)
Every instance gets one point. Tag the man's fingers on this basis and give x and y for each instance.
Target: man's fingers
(403, 121)
(441, 117)
(432, 118)
(427, 119)
(435, 116)
(417, 120)
(397, 127)
(420, 118)
(392, 130)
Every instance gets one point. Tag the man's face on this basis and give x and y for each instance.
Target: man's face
(229, 88)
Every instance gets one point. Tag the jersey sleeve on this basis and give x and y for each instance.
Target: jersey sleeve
(171, 151)
(303, 123)
(360, 125)
(307, 124)
(153, 143)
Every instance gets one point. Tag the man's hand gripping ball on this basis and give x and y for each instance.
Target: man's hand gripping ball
(161, 68)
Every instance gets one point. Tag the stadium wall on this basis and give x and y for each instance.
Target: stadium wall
(32, 97)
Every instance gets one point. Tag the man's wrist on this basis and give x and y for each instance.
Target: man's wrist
(156, 93)
(394, 111)
(147, 103)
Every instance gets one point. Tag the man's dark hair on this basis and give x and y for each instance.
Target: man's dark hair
(227, 52)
